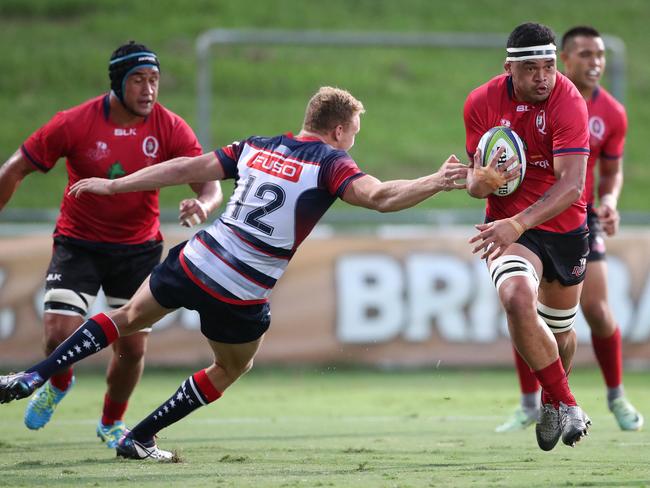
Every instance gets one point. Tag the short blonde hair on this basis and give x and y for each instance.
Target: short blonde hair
(329, 108)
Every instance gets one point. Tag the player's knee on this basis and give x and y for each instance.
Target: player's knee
(51, 342)
(235, 370)
(247, 367)
(132, 350)
(558, 320)
(519, 302)
(596, 313)
(57, 328)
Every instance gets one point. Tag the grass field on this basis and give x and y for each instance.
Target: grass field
(333, 428)
(414, 97)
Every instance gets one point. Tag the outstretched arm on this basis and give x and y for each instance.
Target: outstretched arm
(12, 174)
(391, 196)
(173, 172)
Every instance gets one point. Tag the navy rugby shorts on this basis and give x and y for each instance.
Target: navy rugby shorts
(220, 321)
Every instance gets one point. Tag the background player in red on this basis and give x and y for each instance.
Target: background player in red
(535, 239)
(284, 185)
(109, 242)
(583, 56)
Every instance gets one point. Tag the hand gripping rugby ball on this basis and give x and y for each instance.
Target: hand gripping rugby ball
(490, 143)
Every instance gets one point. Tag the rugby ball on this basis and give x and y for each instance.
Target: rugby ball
(489, 144)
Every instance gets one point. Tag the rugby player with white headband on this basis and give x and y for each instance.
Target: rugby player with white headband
(583, 56)
(535, 239)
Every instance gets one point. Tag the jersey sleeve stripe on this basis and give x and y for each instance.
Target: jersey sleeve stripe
(39, 166)
(228, 162)
(341, 189)
(571, 150)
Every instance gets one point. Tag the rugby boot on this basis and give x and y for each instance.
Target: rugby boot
(519, 420)
(18, 385)
(626, 415)
(41, 407)
(112, 433)
(129, 448)
(548, 429)
(574, 424)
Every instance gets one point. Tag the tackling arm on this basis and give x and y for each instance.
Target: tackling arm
(173, 172)
(394, 195)
(12, 174)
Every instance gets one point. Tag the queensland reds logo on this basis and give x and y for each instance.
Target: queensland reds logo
(150, 146)
(597, 127)
(540, 122)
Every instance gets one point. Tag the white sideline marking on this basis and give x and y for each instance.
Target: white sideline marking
(288, 419)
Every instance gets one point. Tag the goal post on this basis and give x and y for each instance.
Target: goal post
(435, 40)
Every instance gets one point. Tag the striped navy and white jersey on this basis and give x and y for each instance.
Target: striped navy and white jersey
(283, 187)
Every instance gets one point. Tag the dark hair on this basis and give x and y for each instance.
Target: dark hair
(125, 59)
(580, 30)
(530, 34)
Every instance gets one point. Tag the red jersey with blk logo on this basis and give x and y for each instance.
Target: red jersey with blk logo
(94, 146)
(550, 129)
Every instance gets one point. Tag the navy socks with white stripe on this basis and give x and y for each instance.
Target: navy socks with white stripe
(92, 336)
(196, 391)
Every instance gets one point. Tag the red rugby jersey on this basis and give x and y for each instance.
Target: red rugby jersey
(552, 128)
(95, 146)
(607, 130)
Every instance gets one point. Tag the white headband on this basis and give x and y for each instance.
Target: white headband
(546, 51)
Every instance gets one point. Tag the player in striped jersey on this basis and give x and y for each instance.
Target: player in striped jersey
(284, 185)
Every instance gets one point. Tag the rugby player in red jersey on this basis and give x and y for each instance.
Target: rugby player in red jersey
(284, 185)
(583, 56)
(108, 242)
(535, 239)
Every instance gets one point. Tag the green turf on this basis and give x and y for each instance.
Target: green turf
(333, 428)
(57, 52)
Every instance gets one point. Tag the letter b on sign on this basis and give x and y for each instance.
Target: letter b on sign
(370, 296)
